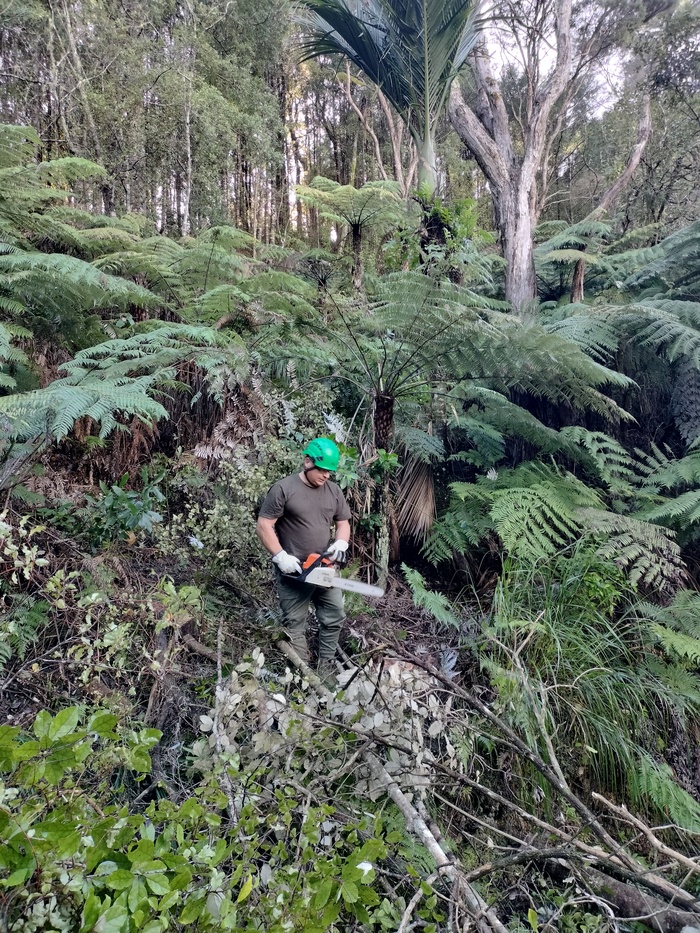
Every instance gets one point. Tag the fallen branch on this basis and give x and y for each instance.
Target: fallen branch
(199, 648)
(633, 904)
(484, 916)
(624, 814)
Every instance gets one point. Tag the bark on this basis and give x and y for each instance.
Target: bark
(616, 188)
(511, 171)
(630, 902)
(356, 231)
(383, 420)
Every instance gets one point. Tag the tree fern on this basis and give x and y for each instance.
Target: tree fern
(103, 382)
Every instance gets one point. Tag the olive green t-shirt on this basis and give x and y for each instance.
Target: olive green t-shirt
(304, 515)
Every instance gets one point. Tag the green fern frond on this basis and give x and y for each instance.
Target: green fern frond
(647, 553)
(683, 511)
(20, 626)
(17, 144)
(571, 256)
(655, 782)
(436, 604)
(605, 457)
(678, 645)
(533, 509)
(420, 444)
(682, 614)
(51, 412)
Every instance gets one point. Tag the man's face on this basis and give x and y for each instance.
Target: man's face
(315, 476)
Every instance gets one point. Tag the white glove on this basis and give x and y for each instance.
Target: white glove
(337, 549)
(287, 563)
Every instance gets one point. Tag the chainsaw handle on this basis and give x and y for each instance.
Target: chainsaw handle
(312, 561)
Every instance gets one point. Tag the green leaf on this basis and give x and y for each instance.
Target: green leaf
(64, 723)
(159, 884)
(19, 876)
(349, 892)
(103, 724)
(92, 908)
(120, 879)
(532, 919)
(245, 890)
(323, 894)
(193, 909)
(42, 724)
(331, 912)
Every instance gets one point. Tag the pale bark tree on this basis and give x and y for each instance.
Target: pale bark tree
(514, 171)
(555, 47)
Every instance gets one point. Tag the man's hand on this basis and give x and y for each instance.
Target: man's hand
(337, 549)
(287, 563)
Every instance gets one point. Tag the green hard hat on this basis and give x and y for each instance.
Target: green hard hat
(324, 453)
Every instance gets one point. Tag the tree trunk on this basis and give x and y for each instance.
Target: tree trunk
(610, 196)
(356, 231)
(383, 420)
(512, 168)
(515, 223)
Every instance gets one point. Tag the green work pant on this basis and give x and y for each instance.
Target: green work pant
(295, 599)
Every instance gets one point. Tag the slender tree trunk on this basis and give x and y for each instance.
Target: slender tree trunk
(515, 224)
(81, 79)
(615, 189)
(356, 232)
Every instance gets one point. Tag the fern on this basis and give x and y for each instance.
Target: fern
(678, 645)
(435, 603)
(655, 781)
(603, 456)
(533, 509)
(19, 627)
(648, 554)
(102, 383)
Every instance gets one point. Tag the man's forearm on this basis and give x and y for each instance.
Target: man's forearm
(342, 531)
(268, 537)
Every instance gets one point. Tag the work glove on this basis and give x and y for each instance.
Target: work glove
(287, 563)
(337, 549)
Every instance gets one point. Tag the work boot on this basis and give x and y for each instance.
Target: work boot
(327, 673)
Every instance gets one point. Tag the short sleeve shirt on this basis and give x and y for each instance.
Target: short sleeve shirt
(304, 515)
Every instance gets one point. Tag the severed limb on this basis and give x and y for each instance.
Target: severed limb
(484, 916)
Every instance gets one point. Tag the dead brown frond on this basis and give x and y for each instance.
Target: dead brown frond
(416, 499)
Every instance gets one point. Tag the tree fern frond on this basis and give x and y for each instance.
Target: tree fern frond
(647, 553)
(678, 645)
(682, 614)
(421, 445)
(608, 458)
(656, 782)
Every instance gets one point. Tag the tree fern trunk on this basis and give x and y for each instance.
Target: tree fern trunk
(383, 421)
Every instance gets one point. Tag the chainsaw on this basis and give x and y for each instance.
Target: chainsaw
(320, 571)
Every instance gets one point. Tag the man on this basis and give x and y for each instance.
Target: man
(295, 521)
